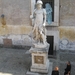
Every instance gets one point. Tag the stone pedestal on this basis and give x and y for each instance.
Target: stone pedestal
(40, 62)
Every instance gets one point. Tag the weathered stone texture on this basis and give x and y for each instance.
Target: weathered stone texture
(7, 42)
(15, 29)
(67, 32)
(17, 16)
(67, 38)
(67, 12)
(17, 12)
(15, 40)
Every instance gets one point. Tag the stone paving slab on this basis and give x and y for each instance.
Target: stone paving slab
(61, 61)
(67, 56)
(18, 61)
(13, 62)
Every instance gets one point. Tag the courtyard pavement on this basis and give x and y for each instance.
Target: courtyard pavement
(13, 61)
(18, 61)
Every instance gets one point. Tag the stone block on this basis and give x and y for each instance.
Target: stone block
(40, 62)
(37, 73)
(7, 42)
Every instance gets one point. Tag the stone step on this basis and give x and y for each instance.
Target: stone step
(31, 73)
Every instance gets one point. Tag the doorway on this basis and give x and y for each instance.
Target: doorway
(50, 40)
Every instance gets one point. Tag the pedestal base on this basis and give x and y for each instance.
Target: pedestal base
(37, 73)
(41, 69)
(40, 62)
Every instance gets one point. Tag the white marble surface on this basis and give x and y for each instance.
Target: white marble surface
(37, 73)
(41, 68)
(43, 65)
(56, 12)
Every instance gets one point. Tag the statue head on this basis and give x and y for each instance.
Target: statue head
(39, 4)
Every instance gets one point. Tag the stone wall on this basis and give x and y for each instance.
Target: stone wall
(18, 22)
(17, 17)
(67, 38)
(67, 25)
(15, 40)
(67, 13)
(17, 12)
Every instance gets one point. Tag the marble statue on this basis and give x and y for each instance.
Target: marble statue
(39, 17)
(39, 49)
(49, 13)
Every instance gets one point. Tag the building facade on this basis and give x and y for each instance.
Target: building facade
(60, 33)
